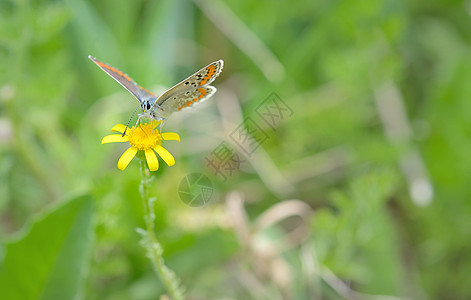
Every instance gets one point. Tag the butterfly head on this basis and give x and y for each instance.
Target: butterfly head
(146, 105)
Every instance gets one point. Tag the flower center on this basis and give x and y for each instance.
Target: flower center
(144, 137)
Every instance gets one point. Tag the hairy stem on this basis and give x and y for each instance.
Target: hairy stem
(150, 242)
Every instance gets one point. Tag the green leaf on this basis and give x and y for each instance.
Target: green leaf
(50, 260)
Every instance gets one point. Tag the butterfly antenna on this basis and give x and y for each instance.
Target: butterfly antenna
(130, 120)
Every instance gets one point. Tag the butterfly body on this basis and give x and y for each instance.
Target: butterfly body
(188, 92)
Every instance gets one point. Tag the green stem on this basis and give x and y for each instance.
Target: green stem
(154, 249)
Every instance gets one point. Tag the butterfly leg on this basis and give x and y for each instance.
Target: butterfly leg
(139, 122)
(161, 125)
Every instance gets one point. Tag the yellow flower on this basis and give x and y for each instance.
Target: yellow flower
(146, 138)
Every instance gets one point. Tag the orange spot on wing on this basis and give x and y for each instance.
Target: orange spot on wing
(211, 70)
(146, 90)
(101, 64)
(114, 70)
(203, 92)
(210, 74)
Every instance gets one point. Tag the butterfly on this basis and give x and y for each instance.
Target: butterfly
(192, 90)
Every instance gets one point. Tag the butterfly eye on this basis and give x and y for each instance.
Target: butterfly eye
(146, 105)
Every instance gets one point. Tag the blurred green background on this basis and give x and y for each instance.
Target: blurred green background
(361, 193)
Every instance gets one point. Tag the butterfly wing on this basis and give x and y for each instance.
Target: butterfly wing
(192, 90)
(136, 90)
(187, 99)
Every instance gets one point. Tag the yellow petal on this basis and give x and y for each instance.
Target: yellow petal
(119, 128)
(152, 161)
(166, 156)
(114, 138)
(170, 136)
(126, 158)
